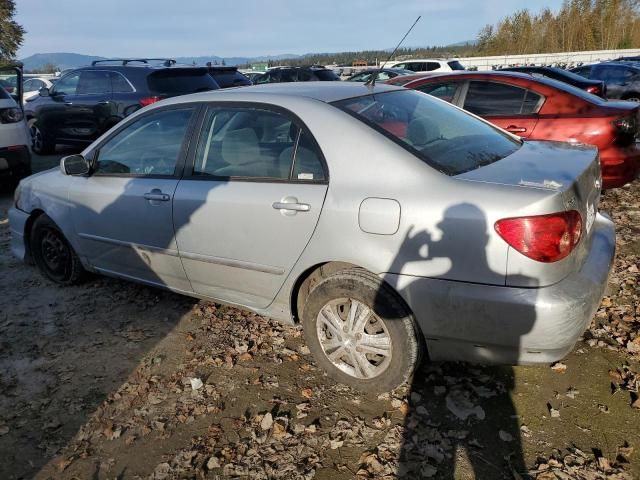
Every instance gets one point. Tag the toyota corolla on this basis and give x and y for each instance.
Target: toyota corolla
(389, 223)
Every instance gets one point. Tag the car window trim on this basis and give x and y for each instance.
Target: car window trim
(94, 155)
(543, 98)
(238, 104)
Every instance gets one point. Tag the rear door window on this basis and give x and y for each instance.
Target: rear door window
(614, 74)
(180, 82)
(93, 82)
(326, 75)
(445, 91)
(492, 98)
(432, 66)
(230, 78)
(119, 84)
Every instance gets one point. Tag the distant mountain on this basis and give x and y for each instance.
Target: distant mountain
(74, 60)
(466, 43)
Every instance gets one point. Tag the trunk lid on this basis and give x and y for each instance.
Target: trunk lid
(569, 172)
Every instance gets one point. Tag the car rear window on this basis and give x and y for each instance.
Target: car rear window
(455, 65)
(179, 82)
(447, 138)
(230, 78)
(326, 75)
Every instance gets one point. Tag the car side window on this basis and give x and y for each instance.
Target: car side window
(583, 71)
(445, 91)
(615, 74)
(491, 98)
(304, 76)
(119, 84)
(67, 85)
(93, 82)
(288, 75)
(150, 145)
(432, 66)
(253, 143)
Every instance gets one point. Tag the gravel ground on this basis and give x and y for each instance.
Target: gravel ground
(115, 380)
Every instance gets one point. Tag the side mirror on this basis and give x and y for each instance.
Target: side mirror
(44, 92)
(74, 165)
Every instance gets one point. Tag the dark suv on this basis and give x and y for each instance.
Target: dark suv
(297, 74)
(622, 78)
(86, 102)
(227, 77)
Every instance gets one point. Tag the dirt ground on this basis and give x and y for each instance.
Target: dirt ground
(112, 380)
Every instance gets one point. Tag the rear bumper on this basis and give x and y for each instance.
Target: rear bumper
(15, 162)
(495, 324)
(620, 165)
(17, 223)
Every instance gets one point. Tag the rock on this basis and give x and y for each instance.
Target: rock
(336, 444)
(4, 429)
(505, 436)
(462, 407)
(213, 463)
(196, 383)
(559, 367)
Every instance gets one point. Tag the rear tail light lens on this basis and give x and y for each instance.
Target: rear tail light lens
(10, 115)
(544, 238)
(149, 100)
(594, 89)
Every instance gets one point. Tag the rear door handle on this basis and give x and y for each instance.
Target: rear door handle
(103, 102)
(156, 195)
(290, 206)
(68, 103)
(515, 129)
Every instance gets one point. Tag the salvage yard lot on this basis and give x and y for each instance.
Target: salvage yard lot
(115, 380)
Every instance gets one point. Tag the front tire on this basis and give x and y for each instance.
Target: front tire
(41, 143)
(53, 254)
(361, 332)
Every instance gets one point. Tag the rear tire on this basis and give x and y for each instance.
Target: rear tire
(53, 254)
(361, 332)
(41, 143)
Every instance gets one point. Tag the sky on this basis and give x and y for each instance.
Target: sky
(132, 28)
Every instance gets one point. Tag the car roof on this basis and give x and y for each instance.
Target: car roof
(623, 63)
(323, 91)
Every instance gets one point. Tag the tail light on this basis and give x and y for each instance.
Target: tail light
(10, 115)
(544, 238)
(595, 89)
(626, 128)
(149, 100)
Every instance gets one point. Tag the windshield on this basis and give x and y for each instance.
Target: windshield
(445, 137)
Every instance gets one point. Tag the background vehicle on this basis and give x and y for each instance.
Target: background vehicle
(15, 158)
(86, 102)
(487, 247)
(427, 65)
(622, 78)
(545, 109)
(33, 85)
(253, 75)
(297, 74)
(227, 77)
(384, 74)
(596, 87)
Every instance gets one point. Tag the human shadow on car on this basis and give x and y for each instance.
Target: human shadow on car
(461, 417)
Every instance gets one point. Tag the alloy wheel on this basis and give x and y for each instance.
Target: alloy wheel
(55, 252)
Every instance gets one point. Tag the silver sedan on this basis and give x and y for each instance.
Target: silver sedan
(389, 223)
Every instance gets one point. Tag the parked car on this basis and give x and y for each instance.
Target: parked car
(15, 158)
(545, 109)
(382, 74)
(227, 77)
(596, 87)
(86, 102)
(427, 65)
(387, 222)
(297, 74)
(33, 85)
(253, 75)
(622, 78)
(628, 59)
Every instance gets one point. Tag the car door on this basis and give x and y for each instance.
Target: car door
(248, 208)
(88, 109)
(510, 107)
(122, 212)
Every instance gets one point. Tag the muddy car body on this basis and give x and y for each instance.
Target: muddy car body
(383, 219)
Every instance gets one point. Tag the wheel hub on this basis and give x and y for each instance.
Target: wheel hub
(354, 338)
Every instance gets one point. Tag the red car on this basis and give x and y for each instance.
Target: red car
(544, 109)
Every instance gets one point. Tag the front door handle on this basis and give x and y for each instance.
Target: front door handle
(515, 129)
(68, 103)
(156, 195)
(103, 102)
(290, 206)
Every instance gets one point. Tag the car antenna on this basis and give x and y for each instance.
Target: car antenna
(372, 81)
